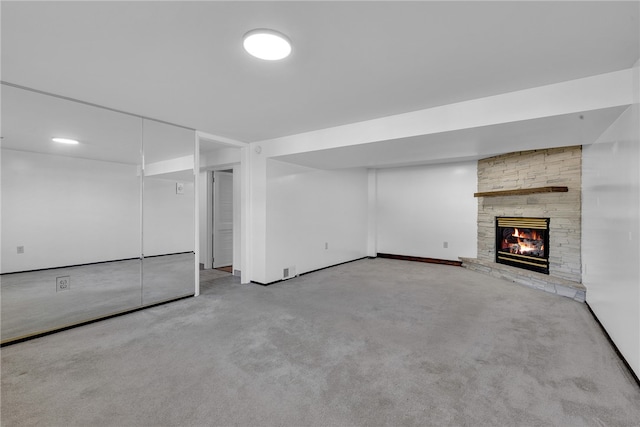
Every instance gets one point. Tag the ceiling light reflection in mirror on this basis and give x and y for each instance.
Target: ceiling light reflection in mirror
(67, 141)
(31, 119)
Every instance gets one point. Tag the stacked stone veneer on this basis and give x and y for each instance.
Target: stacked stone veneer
(528, 169)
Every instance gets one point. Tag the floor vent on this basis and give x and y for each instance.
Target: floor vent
(288, 273)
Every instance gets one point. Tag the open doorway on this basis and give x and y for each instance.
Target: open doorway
(221, 227)
(219, 205)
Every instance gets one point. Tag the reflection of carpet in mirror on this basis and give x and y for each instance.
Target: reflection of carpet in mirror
(30, 303)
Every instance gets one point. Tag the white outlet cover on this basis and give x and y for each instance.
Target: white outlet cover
(179, 187)
(63, 283)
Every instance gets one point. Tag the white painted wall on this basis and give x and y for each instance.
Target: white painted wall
(420, 208)
(256, 213)
(168, 219)
(222, 158)
(67, 211)
(611, 232)
(307, 208)
(237, 219)
(372, 214)
(246, 215)
(591, 93)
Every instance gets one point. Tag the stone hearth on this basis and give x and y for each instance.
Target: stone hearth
(543, 282)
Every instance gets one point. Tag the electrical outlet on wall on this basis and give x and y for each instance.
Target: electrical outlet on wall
(445, 245)
(179, 187)
(63, 283)
(20, 249)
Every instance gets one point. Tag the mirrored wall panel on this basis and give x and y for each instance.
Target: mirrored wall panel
(73, 212)
(168, 265)
(70, 212)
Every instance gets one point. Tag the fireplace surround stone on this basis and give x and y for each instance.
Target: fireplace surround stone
(530, 169)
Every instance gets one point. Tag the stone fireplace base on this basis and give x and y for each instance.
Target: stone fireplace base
(544, 282)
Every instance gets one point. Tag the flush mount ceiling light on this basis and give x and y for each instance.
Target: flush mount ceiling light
(266, 44)
(65, 141)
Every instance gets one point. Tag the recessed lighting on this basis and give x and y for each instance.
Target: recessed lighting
(65, 141)
(266, 44)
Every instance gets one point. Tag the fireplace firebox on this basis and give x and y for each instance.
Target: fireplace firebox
(523, 242)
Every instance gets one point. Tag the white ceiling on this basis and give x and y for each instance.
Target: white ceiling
(183, 62)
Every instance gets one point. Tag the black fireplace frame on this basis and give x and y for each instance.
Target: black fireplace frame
(533, 263)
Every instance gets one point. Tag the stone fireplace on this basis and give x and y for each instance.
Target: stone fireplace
(511, 181)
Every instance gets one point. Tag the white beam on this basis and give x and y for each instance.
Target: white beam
(221, 139)
(590, 93)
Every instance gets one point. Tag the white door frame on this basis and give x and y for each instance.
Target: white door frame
(244, 209)
(208, 264)
(209, 251)
(214, 222)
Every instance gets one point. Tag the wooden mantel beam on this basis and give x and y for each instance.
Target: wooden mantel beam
(521, 191)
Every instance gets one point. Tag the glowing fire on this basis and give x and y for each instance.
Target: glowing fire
(526, 243)
(532, 235)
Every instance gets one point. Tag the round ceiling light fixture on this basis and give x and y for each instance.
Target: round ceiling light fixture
(65, 141)
(267, 44)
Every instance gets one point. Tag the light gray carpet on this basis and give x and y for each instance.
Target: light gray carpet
(369, 343)
(212, 274)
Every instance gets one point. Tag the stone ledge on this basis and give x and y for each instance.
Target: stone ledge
(531, 279)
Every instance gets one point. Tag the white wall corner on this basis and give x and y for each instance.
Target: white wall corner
(246, 215)
(195, 165)
(237, 217)
(372, 229)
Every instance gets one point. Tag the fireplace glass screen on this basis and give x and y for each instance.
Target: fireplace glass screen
(523, 242)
